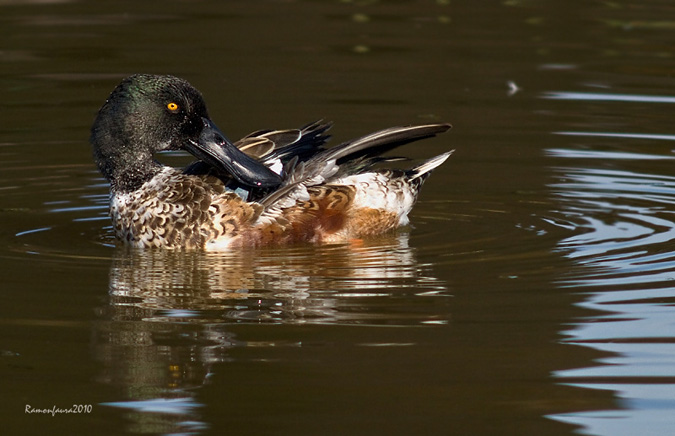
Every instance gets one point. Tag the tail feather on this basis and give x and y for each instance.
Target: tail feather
(424, 169)
(380, 142)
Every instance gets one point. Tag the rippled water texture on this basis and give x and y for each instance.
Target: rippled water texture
(623, 243)
(532, 294)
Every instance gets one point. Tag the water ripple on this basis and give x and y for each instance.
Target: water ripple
(593, 96)
(622, 242)
(624, 135)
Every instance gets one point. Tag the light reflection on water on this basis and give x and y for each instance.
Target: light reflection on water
(170, 314)
(623, 245)
(592, 96)
(310, 284)
(622, 135)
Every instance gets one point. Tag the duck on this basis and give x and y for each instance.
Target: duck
(270, 188)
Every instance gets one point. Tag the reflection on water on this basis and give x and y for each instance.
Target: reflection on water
(294, 285)
(592, 96)
(169, 313)
(624, 233)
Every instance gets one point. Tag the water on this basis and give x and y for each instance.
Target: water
(533, 293)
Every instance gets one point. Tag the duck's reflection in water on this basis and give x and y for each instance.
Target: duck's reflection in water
(169, 312)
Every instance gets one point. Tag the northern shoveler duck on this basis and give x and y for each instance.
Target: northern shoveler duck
(271, 187)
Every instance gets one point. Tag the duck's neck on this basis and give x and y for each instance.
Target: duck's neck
(126, 170)
(131, 179)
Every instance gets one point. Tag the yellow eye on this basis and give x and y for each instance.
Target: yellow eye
(173, 107)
